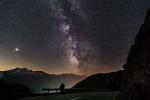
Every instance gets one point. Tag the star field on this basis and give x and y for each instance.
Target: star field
(68, 36)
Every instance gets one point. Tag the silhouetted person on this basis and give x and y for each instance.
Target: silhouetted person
(62, 88)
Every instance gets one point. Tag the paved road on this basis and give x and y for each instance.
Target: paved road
(79, 96)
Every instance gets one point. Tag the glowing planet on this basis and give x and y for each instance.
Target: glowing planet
(16, 49)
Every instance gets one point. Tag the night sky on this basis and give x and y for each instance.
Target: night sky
(68, 36)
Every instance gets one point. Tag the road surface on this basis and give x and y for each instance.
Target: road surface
(78, 96)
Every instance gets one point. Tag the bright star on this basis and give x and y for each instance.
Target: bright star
(16, 49)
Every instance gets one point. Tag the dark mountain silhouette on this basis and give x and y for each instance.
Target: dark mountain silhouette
(108, 81)
(136, 75)
(36, 80)
(12, 92)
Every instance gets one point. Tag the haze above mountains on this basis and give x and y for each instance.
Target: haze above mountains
(36, 80)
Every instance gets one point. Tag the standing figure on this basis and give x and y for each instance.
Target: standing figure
(62, 88)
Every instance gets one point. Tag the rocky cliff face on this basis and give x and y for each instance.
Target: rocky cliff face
(136, 80)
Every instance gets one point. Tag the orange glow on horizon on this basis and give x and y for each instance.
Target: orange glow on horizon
(13, 63)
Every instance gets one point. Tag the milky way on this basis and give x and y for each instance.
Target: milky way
(75, 48)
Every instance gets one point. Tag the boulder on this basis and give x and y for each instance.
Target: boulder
(136, 75)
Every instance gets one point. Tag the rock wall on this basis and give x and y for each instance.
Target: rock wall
(136, 78)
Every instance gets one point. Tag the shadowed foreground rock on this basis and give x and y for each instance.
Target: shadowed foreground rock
(136, 78)
(13, 92)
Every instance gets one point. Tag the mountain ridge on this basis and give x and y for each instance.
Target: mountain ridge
(36, 80)
(109, 81)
